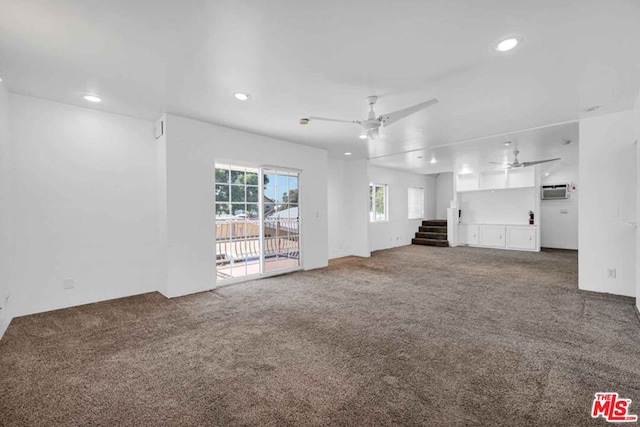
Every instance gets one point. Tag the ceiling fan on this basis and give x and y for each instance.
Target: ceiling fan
(371, 125)
(518, 164)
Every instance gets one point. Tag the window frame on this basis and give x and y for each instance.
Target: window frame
(372, 206)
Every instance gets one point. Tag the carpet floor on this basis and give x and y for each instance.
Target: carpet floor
(411, 336)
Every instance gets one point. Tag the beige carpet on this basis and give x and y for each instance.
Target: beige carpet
(412, 336)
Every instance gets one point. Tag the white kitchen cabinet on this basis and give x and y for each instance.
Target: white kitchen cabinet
(501, 236)
(469, 235)
(521, 238)
(492, 236)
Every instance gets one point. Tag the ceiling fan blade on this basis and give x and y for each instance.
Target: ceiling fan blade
(537, 162)
(387, 119)
(326, 119)
(374, 133)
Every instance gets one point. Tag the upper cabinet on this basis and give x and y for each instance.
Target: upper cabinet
(496, 180)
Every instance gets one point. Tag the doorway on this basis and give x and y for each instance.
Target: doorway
(257, 222)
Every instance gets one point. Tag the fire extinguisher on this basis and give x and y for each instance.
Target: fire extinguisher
(530, 217)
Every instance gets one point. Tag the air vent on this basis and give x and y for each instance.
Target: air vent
(554, 192)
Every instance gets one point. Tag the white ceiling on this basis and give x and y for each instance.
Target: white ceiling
(323, 58)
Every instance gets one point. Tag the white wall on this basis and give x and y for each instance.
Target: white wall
(193, 147)
(430, 197)
(85, 203)
(444, 194)
(348, 208)
(637, 146)
(6, 217)
(559, 218)
(607, 203)
(506, 206)
(399, 230)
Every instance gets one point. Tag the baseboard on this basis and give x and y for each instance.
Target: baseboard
(637, 311)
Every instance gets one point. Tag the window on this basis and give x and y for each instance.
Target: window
(416, 203)
(377, 202)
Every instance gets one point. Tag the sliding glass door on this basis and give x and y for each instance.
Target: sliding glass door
(281, 225)
(257, 221)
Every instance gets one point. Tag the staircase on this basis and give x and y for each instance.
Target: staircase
(432, 233)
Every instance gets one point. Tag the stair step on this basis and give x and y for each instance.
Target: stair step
(433, 236)
(430, 242)
(435, 223)
(432, 229)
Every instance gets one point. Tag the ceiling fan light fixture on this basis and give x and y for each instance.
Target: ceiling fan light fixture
(508, 44)
(507, 143)
(347, 153)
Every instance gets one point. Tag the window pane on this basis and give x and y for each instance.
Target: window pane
(294, 212)
(380, 203)
(238, 208)
(222, 193)
(222, 175)
(270, 179)
(293, 182)
(237, 193)
(282, 182)
(237, 177)
(291, 196)
(252, 194)
(222, 209)
(251, 178)
(270, 193)
(253, 211)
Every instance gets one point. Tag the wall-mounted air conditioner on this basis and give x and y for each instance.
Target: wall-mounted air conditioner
(554, 192)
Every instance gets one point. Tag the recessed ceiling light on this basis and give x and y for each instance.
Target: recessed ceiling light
(240, 96)
(347, 154)
(419, 157)
(363, 136)
(508, 44)
(546, 174)
(0, 79)
(433, 160)
(92, 98)
(507, 143)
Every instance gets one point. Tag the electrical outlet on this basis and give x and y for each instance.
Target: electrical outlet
(611, 273)
(68, 283)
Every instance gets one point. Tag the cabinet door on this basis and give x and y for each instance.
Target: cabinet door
(471, 235)
(492, 236)
(521, 238)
